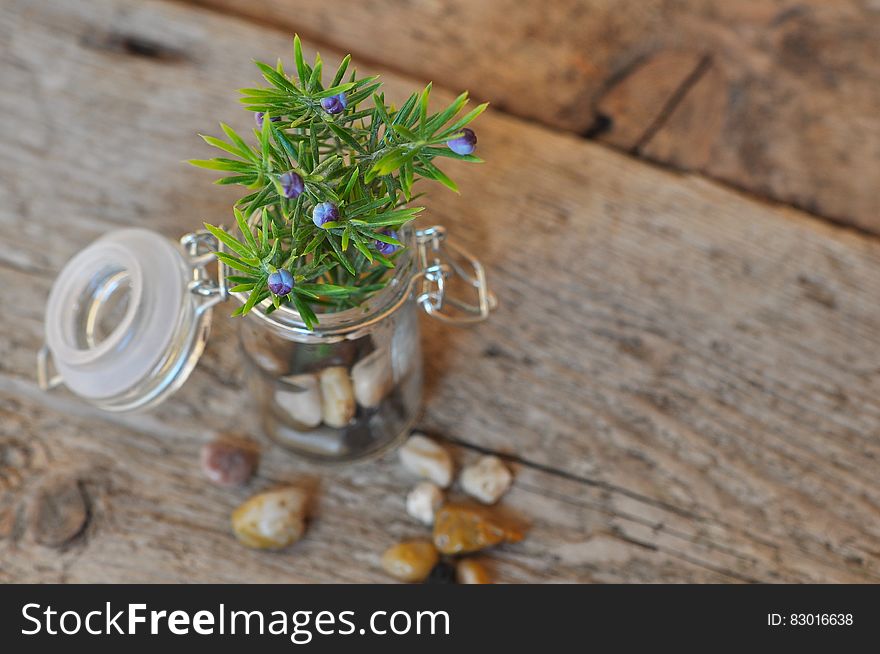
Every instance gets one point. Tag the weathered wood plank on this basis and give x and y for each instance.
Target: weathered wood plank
(784, 104)
(153, 518)
(688, 370)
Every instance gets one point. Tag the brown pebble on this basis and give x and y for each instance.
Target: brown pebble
(57, 512)
(460, 529)
(469, 571)
(411, 560)
(229, 462)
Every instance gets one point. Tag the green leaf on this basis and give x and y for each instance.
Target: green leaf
(363, 249)
(315, 78)
(238, 141)
(438, 120)
(301, 68)
(220, 164)
(230, 242)
(340, 255)
(257, 295)
(393, 217)
(340, 72)
(379, 236)
(334, 90)
(305, 311)
(405, 132)
(446, 152)
(391, 161)
(327, 289)
(264, 232)
(423, 108)
(352, 180)
(236, 263)
(345, 137)
(227, 147)
(464, 120)
(244, 180)
(277, 80)
(245, 229)
(431, 171)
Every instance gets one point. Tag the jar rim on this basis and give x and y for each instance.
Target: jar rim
(341, 323)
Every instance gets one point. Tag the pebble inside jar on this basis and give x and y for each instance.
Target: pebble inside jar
(347, 389)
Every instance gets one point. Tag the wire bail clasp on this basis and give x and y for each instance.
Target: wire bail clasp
(437, 268)
(200, 247)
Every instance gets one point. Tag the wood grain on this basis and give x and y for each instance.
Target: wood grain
(684, 378)
(784, 104)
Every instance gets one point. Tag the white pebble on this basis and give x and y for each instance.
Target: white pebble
(487, 480)
(300, 397)
(425, 458)
(337, 396)
(372, 379)
(423, 501)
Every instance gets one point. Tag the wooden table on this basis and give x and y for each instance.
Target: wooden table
(683, 375)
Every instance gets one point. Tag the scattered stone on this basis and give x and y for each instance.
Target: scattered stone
(58, 511)
(427, 459)
(410, 561)
(442, 573)
(372, 378)
(229, 462)
(300, 397)
(461, 529)
(469, 571)
(423, 501)
(337, 396)
(271, 520)
(487, 480)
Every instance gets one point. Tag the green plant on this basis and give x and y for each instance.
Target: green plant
(330, 182)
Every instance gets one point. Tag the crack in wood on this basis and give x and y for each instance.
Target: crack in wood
(132, 45)
(646, 500)
(672, 103)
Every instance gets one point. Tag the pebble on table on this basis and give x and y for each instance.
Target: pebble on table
(425, 458)
(423, 501)
(469, 571)
(271, 520)
(459, 529)
(228, 462)
(410, 561)
(487, 480)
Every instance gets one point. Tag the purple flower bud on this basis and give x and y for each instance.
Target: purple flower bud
(291, 184)
(335, 104)
(465, 143)
(259, 118)
(387, 248)
(324, 213)
(281, 282)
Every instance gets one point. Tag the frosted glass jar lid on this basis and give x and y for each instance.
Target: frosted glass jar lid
(122, 327)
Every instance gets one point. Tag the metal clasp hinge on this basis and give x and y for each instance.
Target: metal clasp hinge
(437, 267)
(46, 379)
(200, 247)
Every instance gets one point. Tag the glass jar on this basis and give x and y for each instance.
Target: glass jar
(129, 316)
